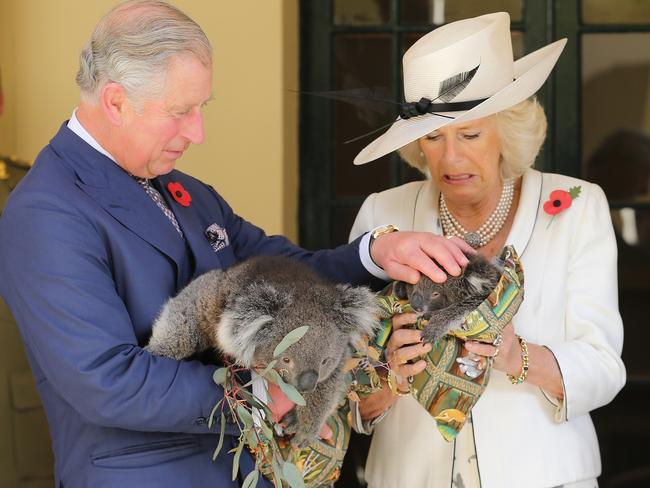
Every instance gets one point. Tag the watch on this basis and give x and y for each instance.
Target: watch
(379, 231)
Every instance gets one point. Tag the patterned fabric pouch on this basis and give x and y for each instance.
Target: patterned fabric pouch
(442, 389)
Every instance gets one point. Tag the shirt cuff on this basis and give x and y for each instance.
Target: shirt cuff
(364, 426)
(366, 260)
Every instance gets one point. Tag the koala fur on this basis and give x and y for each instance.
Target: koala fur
(245, 311)
(446, 304)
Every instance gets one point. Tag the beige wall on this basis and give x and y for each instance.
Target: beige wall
(250, 153)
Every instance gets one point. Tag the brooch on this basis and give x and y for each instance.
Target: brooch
(179, 193)
(560, 200)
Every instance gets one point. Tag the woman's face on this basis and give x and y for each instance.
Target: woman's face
(464, 160)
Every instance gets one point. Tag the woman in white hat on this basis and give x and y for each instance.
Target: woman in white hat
(470, 123)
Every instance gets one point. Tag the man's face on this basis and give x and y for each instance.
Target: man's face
(156, 136)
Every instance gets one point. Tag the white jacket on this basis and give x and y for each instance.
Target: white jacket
(523, 437)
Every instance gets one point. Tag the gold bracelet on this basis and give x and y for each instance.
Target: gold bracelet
(524, 363)
(393, 387)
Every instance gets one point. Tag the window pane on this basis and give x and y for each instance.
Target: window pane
(361, 12)
(618, 12)
(341, 224)
(442, 11)
(615, 109)
(632, 228)
(361, 61)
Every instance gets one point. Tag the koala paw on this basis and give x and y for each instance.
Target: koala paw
(432, 333)
(303, 439)
(290, 422)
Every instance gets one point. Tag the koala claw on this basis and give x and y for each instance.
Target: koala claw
(290, 422)
(302, 440)
(432, 333)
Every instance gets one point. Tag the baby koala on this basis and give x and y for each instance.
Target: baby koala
(446, 304)
(245, 311)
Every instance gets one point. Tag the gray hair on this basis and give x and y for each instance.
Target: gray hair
(133, 45)
(522, 130)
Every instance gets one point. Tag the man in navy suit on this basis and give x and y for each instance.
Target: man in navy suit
(103, 231)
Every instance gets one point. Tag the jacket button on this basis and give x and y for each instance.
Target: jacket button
(200, 421)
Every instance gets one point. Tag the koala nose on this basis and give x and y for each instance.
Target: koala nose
(417, 302)
(307, 380)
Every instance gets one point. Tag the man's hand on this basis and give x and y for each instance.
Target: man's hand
(404, 255)
(279, 404)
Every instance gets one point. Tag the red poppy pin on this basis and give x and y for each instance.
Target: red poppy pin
(179, 193)
(560, 200)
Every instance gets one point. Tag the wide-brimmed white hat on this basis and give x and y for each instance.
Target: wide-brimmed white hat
(459, 72)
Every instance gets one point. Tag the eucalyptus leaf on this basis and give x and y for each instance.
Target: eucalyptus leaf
(235, 459)
(268, 367)
(245, 416)
(287, 389)
(291, 338)
(277, 472)
(211, 417)
(251, 479)
(292, 475)
(222, 433)
(219, 376)
(292, 393)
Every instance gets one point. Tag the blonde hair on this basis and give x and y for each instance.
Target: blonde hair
(522, 130)
(133, 44)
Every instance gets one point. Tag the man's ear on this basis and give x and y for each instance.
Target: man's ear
(114, 102)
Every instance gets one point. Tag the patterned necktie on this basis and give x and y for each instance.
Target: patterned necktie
(157, 197)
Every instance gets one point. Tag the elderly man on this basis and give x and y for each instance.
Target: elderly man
(103, 231)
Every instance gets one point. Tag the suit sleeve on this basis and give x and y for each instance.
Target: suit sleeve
(590, 356)
(341, 264)
(57, 279)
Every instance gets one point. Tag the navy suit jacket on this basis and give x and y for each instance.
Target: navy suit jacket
(87, 260)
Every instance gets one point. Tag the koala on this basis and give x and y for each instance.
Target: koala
(446, 304)
(244, 312)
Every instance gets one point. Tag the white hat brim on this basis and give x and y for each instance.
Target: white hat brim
(530, 71)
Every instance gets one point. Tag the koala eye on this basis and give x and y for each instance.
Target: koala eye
(325, 361)
(286, 360)
(435, 294)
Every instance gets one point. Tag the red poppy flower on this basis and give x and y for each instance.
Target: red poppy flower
(179, 193)
(557, 201)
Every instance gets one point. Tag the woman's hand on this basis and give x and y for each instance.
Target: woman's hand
(404, 344)
(543, 370)
(507, 356)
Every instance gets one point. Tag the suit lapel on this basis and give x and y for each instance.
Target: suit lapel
(192, 225)
(527, 211)
(118, 194)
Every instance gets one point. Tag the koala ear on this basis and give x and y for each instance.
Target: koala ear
(401, 289)
(243, 326)
(357, 311)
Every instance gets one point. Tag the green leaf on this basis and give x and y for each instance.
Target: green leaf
(251, 479)
(235, 460)
(288, 389)
(291, 338)
(245, 416)
(292, 394)
(269, 367)
(219, 376)
(292, 475)
(575, 192)
(277, 472)
(211, 417)
(221, 436)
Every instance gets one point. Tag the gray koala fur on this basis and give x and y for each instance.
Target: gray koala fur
(446, 304)
(245, 311)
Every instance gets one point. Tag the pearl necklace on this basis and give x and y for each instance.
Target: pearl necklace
(486, 232)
